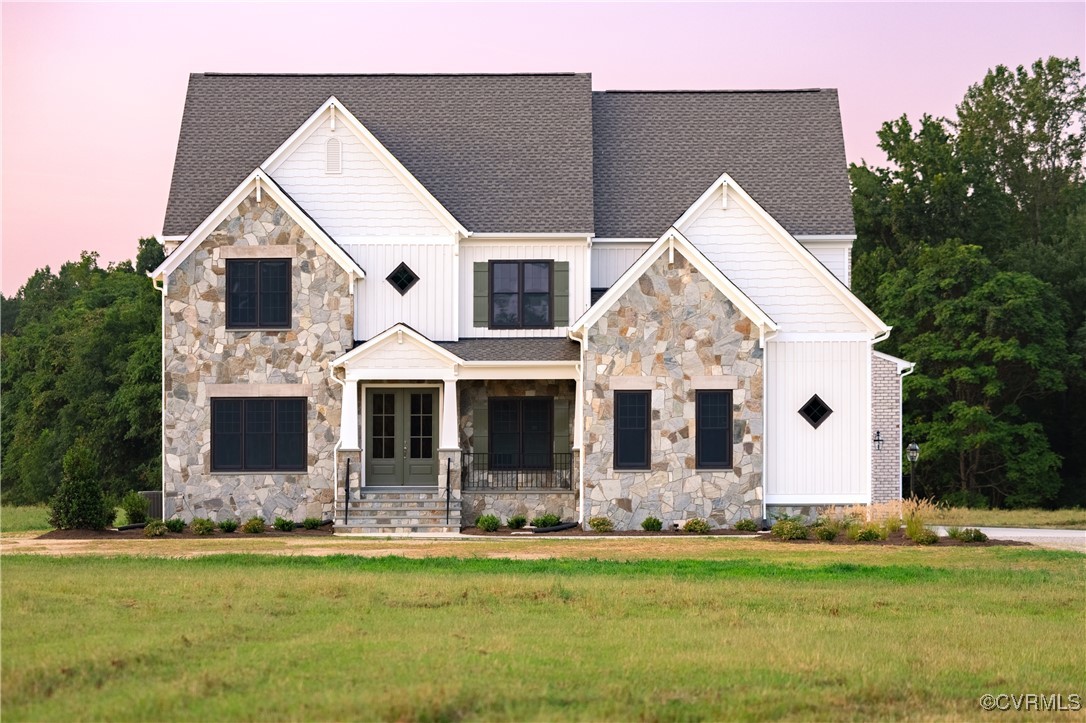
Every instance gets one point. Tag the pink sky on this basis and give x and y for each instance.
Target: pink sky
(92, 94)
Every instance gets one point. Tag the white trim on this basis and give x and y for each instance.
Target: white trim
(391, 162)
(515, 235)
(216, 391)
(520, 370)
(232, 201)
(785, 336)
(789, 242)
(618, 240)
(903, 367)
(842, 238)
(398, 328)
(850, 499)
(163, 238)
(672, 238)
(441, 240)
(718, 381)
(637, 383)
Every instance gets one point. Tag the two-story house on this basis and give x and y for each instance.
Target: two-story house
(402, 301)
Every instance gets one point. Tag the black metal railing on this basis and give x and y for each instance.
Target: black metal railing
(504, 472)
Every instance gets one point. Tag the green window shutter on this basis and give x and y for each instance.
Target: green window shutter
(480, 420)
(561, 293)
(481, 311)
(561, 426)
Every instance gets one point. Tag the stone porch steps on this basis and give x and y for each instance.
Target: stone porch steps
(398, 510)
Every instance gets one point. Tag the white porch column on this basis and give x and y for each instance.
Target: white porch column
(448, 439)
(348, 423)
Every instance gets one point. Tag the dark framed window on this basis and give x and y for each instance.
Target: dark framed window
(521, 294)
(815, 411)
(402, 278)
(258, 434)
(521, 432)
(632, 418)
(713, 429)
(258, 294)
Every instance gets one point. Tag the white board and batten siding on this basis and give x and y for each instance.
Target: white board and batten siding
(363, 199)
(610, 261)
(425, 307)
(766, 271)
(575, 252)
(831, 464)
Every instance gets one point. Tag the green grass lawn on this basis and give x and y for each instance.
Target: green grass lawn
(783, 632)
(24, 519)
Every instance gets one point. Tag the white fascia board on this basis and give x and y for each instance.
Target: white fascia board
(516, 236)
(829, 499)
(365, 348)
(827, 238)
(787, 336)
(901, 364)
(268, 186)
(163, 238)
(616, 240)
(801, 253)
(345, 117)
(519, 370)
(672, 238)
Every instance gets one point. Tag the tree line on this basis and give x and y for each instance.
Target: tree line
(971, 242)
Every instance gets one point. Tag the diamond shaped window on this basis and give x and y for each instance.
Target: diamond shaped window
(815, 411)
(403, 278)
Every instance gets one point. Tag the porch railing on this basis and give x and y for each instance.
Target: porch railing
(501, 472)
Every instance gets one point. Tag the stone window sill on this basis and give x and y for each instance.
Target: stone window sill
(256, 472)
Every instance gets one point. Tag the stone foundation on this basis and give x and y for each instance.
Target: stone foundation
(508, 504)
(673, 332)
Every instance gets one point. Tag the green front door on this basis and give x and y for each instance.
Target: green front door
(400, 437)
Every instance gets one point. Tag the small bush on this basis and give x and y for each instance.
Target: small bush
(826, 533)
(925, 537)
(254, 525)
(283, 524)
(203, 526)
(890, 526)
(488, 523)
(790, 528)
(954, 533)
(914, 525)
(747, 525)
(80, 503)
(870, 532)
(155, 528)
(135, 507)
(972, 534)
(228, 525)
(601, 524)
(311, 523)
(175, 524)
(697, 526)
(652, 524)
(547, 520)
(517, 522)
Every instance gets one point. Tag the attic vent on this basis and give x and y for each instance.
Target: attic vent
(815, 411)
(333, 158)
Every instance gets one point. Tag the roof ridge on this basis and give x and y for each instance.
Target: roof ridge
(720, 90)
(386, 75)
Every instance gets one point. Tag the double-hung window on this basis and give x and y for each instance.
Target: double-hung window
(258, 294)
(632, 417)
(521, 433)
(258, 434)
(713, 429)
(521, 295)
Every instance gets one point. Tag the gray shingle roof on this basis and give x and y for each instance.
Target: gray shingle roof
(500, 152)
(655, 153)
(538, 349)
(534, 153)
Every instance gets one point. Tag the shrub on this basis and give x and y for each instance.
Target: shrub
(80, 503)
(254, 525)
(155, 528)
(135, 507)
(517, 522)
(697, 526)
(790, 528)
(175, 524)
(925, 537)
(652, 524)
(283, 524)
(914, 525)
(202, 526)
(890, 525)
(972, 534)
(747, 525)
(228, 525)
(869, 532)
(547, 520)
(826, 533)
(601, 524)
(311, 523)
(488, 523)
(954, 533)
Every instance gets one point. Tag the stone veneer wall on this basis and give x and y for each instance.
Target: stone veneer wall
(532, 503)
(671, 326)
(886, 419)
(199, 351)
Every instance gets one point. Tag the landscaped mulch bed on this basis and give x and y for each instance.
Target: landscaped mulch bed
(325, 531)
(897, 539)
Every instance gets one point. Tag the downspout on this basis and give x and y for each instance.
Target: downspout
(765, 424)
(162, 388)
(578, 433)
(338, 444)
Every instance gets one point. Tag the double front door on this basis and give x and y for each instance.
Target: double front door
(402, 449)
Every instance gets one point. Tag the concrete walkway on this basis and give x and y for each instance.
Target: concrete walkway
(1056, 539)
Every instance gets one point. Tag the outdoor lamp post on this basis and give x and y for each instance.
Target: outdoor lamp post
(913, 453)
